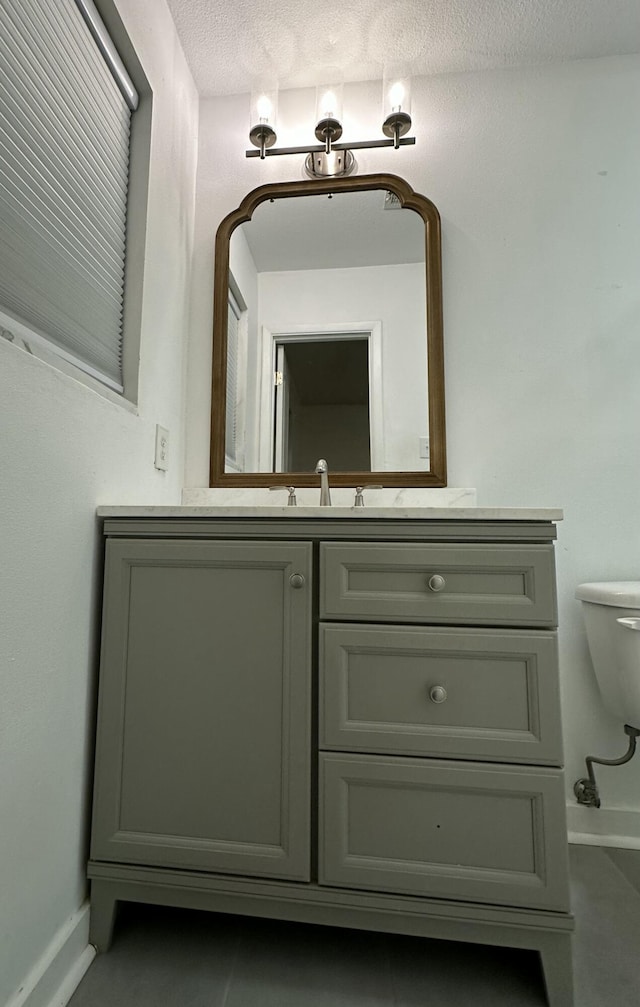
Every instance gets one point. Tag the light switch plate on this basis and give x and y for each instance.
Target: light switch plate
(162, 449)
(423, 446)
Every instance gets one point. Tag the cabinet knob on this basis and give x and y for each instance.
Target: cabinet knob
(437, 693)
(437, 583)
(296, 580)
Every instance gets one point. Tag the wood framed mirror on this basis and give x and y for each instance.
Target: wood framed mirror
(328, 337)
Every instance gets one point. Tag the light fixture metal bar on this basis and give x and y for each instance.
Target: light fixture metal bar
(319, 147)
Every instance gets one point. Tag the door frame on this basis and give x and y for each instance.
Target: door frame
(270, 338)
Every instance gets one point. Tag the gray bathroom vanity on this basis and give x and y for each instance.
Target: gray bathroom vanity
(349, 719)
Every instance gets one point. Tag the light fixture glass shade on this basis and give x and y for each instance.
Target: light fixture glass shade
(329, 100)
(264, 106)
(329, 111)
(396, 103)
(262, 117)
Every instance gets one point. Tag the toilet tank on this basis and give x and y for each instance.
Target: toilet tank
(614, 652)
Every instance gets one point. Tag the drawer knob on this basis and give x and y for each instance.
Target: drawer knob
(437, 693)
(296, 580)
(437, 583)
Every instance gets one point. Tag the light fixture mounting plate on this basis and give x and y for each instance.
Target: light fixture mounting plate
(334, 165)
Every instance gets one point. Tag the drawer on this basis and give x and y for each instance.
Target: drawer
(453, 693)
(478, 584)
(493, 834)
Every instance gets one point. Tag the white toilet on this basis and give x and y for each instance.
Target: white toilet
(612, 619)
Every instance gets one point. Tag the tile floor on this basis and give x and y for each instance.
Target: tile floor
(174, 958)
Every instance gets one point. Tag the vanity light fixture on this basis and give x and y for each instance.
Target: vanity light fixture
(396, 99)
(329, 113)
(332, 158)
(264, 105)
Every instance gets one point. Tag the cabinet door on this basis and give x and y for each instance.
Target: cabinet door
(203, 753)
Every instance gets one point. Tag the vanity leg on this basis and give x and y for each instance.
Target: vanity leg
(102, 915)
(557, 966)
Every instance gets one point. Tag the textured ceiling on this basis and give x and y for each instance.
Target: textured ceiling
(228, 43)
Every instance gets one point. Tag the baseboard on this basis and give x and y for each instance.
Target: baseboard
(615, 827)
(56, 975)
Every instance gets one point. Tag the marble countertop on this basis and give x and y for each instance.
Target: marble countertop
(359, 513)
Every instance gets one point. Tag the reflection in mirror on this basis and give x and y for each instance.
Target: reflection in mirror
(328, 301)
(322, 404)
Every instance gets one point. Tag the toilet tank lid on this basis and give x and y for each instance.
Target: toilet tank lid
(621, 593)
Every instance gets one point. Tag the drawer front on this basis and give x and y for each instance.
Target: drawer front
(444, 829)
(465, 693)
(499, 585)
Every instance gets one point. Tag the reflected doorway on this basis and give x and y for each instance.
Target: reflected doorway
(322, 403)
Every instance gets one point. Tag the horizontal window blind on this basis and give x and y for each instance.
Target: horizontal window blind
(64, 167)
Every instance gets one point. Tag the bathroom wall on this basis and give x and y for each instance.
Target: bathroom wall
(535, 173)
(64, 449)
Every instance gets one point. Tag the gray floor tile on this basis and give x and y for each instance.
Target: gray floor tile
(429, 973)
(293, 965)
(172, 958)
(628, 862)
(161, 957)
(607, 940)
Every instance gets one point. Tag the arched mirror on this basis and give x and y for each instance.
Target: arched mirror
(327, 336)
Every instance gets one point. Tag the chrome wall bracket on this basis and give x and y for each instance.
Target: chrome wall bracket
(332, 165)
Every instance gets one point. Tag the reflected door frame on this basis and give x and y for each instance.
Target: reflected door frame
(281, 394)
(371, 331)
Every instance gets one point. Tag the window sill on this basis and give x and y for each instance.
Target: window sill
(22, 338)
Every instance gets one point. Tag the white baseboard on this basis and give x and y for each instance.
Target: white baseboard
(56, 975)
(616, 827)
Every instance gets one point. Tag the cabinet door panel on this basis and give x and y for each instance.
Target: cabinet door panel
(203, 736)
(466, 583)
(492, 834)
(496, 691)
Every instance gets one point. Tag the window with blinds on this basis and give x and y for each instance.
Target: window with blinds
(65, 113)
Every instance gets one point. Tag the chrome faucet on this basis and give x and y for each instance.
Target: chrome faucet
(323, 471)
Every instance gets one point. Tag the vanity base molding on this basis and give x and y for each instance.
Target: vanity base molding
(547, 933)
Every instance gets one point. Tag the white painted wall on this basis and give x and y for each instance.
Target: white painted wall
(64, 449)
(535, 173)
(393, 295)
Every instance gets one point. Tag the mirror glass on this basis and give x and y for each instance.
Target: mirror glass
(324, 329)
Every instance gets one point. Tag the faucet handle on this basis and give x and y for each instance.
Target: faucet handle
(292, 501)
(359, 500)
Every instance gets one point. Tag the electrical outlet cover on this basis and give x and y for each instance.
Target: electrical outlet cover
(162, 449)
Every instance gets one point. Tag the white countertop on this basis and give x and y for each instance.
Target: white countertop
(359, 513)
